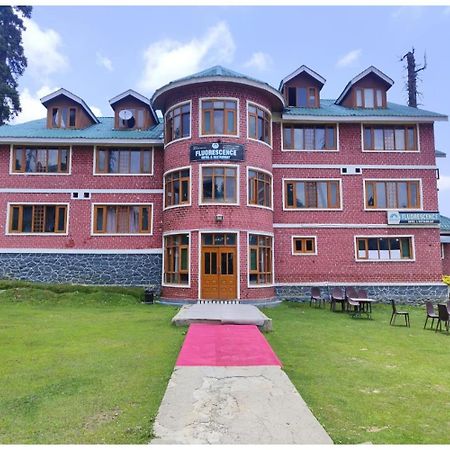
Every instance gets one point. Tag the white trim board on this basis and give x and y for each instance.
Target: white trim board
(351, 225)
(69, 191)
(362, 166)
(364, 119)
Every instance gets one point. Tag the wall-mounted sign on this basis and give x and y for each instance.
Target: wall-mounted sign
(412, 218)
(217, 152)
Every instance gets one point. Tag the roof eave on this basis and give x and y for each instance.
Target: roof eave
(81, 141)
(136, 95)
(398, 119)
(298, 71)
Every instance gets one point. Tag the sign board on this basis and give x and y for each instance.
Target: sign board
(412, 218)
(216, 151)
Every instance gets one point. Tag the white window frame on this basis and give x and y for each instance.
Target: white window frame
(180, 205)
(140, 147)
(11, 161)
(341, 194)
(177, 286)
(291, 150)
(21, 203)
(200, 117)
(251, 205)
(257, 105)
(364, 180)
(190, 121)
(387, 236)
(294, 253)
(266, 285)
(381, 125)
(200, 185)
(93, 205)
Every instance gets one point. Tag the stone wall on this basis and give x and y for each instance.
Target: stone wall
(405, 294)
(102, 269)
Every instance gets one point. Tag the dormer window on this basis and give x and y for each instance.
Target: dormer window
(64, 117)
(131, 118)
(303, 97)
(369, 98)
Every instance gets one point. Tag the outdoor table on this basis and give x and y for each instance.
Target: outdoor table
(366, 305)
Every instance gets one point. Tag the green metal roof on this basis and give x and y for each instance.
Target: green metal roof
(217, 71)
(329, 108)
(103, 130)
(445, 224)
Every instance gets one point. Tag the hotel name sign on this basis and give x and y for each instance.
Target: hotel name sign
(217, 152)
(412, 218)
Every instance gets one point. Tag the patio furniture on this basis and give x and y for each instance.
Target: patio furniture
(354, 303)
(337, 296)
(396, 313)
(430, 314)
(443, 316)
(316, 297)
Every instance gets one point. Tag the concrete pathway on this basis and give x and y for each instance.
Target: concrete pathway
(223, 391)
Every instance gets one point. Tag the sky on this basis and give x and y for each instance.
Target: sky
(100, 51)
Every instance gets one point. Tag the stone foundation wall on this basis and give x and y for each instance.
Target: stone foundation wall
(404, 294)
(102, 269)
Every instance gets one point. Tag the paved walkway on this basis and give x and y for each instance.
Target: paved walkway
(228, 388)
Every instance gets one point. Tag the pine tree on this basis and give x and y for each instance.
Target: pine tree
(12, 59)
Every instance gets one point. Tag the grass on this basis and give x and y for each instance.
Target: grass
(82, 364)
(364, 380)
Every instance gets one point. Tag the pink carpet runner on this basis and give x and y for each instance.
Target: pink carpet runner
(226, 345)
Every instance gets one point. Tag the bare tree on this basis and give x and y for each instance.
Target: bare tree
(413, 70)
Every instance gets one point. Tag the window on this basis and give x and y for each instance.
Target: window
(219, 184)
(384, 248)
(395, 138)
(312, 137)
(176, 259)
(312, 194)
(260, 248)
(304, 245)
(178, 122)
(128, 161)
(369, 98)
(259, 124)
(392, 194)
(219, 117)
(303, 97)
(63, 117)
(177, 188)
(122, 219)
(259, 188)
(40, 160)
(37, 218)
(136, 118)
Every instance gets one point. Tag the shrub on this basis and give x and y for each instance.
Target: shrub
(446, 279)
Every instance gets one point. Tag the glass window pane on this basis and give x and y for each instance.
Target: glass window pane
(320, 138)
(64, 160)
(99, 222)
(145, 223)
(135, 164)
(230, 190)
(331, 140)
(124, 164)
(322, 195)
(389, 139)
(72, 117)
(298, 139)
(384, 248)
(64, 117)
(414, 194)
(370, 194)
(219, 188)
(207, 187)
(368, 98)
(55, 117)
(298, 245)
(391, 194)
(379, 98)
(219, 239)
(41, 161)
(368, 144)
(381, 195)
(286, 137)
(406, 248)
(395, 248)
(101, 160)
(230, 239)
(231, 126)
(253, 259)
(290, 194)
(218, 122)
(207, 122)
(50, 219)
(333, 192)
(140, 118)
(309, 139)
(184, 265)
(186, 124)
(62, 219)
(27, 219)
(30, 160)
(292, 96)
(147, 161)
(300, 194)
(411, 139)
(15, 219)
(378, 138)
(400, 139)
(373, 248)
(207, 239)
(18, 161)
(52, 163)
(301, 97)
(402, 189)
(113, 161)
(359, 98)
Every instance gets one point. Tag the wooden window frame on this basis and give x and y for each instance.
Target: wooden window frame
(304, 240)
(169, 119)
(225, 116)
(60, 108)
(375, 206)
(329, 182)
(263, 278)
(375, 101)
(316, 103)
(171, 268)
(213, 200)
(293, 127)
(253, 188)
(24, 149)
(169, 187)
(405, 129)
(20, 207)
(365, 240)
(104, 207)
(121, 151)
(266, 120)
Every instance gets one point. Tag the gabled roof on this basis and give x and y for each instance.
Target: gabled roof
(216, 73)
(360, 76)
(37, 131)
(75, 98)
(136, 95)
(301, 69)
(445, 224)
(440, 154)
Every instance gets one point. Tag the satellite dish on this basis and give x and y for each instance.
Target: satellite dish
(125, 114)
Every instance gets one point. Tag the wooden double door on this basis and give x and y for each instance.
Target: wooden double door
(219, 266)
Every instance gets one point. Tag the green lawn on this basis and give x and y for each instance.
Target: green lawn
(82, 365)
(367, 381)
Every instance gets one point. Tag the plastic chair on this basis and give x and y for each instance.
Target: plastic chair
(337, 296)
(443, 316)
(430, 314)
(316, 297)
(396, 313)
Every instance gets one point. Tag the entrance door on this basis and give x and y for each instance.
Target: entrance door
(219, 271)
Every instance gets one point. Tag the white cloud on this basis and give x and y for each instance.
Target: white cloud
(42, 49)
(97, 111)
(167, 59)
(444, 183)
(259, 60)
(349, 58)
(104, 61)
(446, 11)
(408, 13)
(32, 107)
